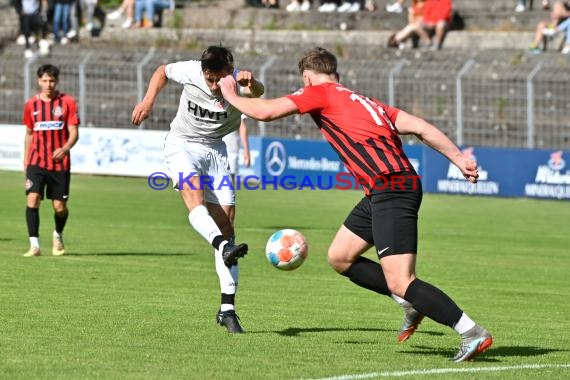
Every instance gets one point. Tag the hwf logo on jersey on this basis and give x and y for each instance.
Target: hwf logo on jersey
(455, 182)
(550, 181)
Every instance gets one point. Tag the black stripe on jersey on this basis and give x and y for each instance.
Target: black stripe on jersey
(395, 154)
(333, 130)
(402, 158)
(35, 152)
(381, 154)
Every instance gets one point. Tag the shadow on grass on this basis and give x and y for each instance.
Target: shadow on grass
(149, 254)
(294, 227)
(494, 354)
(293, 331)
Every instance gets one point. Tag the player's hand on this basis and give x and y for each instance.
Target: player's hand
(246, 159)
(228, 85)
(244, 78)
(140, 113)
(59, 154)
(469, 170)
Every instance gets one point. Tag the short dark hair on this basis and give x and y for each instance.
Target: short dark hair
(48, 69)
(320, 61)
(217, 58)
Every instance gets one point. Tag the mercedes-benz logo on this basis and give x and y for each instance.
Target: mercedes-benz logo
(275, 158)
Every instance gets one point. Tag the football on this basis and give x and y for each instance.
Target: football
(286, 249)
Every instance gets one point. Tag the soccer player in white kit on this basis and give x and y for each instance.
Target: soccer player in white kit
(194, 152)
(233, 141)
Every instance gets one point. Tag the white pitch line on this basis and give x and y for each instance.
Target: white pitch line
(443, 370)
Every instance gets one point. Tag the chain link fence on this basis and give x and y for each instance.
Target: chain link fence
(492, 98)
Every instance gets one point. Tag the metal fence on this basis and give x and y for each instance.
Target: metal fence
(491, 98)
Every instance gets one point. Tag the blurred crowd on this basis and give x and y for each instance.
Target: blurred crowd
(47, 22)
(43, 23)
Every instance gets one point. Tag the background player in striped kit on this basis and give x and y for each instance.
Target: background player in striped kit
(51, 122)
(364, 133)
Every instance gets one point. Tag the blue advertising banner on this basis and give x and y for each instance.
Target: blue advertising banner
(301, 164)
(502, 172)
(542, 174)
(441, 176)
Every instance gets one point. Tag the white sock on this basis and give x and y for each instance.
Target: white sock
(203, 223)
(34, 242)
(56, 234)
(464, 324)
(228, 276)
(226, 307)
(400, 300)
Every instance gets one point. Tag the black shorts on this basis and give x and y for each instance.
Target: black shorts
(54, 183)
(388, 217)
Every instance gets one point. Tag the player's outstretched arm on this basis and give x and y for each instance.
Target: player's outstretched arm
(256, 108)
(434, 138)
(156, 84)
(251, 86)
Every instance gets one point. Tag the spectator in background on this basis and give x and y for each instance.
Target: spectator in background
(396, 7)
(298, 6)
(522, 5)
(128, 8)
(270, 3)
(328, 6)
(93, 11)
(61, 14)
(17, 5)
(350, 6)
(415, 18)
(437, 18)
(150, 8)
(33, 23)
(547, 28)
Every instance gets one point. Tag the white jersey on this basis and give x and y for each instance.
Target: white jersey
(201, 115)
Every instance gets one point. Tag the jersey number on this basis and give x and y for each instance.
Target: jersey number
(373, 109)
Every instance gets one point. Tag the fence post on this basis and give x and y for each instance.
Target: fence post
(140, 83)
(82, 88)
(262, 72)
(391, 84)
(459, 100)
(530, 105)
(27, 79)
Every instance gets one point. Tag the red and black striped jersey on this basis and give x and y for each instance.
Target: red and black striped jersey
(49, 122)
(361, 130)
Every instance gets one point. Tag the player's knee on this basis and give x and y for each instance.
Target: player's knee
(338, 260)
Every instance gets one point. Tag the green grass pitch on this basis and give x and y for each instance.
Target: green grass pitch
(135, 296)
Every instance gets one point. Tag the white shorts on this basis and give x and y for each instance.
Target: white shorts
(185, 159)
(232, 147)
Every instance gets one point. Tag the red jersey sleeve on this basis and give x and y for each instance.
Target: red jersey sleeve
(27, 117)
(72, 116)
(309, 99)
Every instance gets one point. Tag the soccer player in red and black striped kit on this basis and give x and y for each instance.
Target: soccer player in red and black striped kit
(364, 133)
(51, 122)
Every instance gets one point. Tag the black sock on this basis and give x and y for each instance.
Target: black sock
(60, 222)
(217, 241)
(228, 299)
(33, 221)
(369, 275)
(433, 303)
